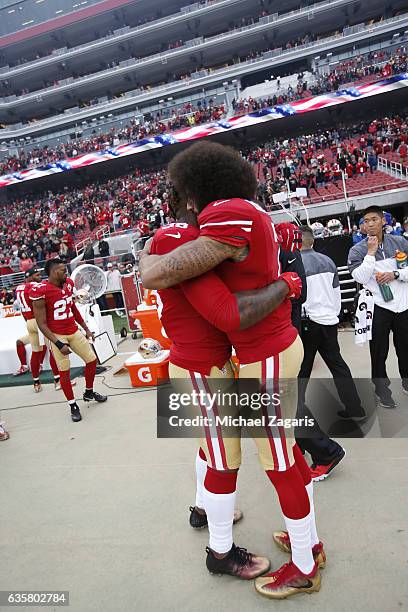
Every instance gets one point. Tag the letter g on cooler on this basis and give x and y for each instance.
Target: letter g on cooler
(145, 375)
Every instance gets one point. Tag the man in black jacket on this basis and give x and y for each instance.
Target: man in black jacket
(292, 262)
(89, 254)
(103, 246)
(323, 450)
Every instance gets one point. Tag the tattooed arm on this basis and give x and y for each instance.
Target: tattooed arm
(187, 261)
(255, 305)
(228, 311)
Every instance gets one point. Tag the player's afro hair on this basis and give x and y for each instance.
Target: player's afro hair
(207, 171)
(50, 263)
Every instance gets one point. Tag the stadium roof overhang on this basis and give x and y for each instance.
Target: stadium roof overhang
(32, 100)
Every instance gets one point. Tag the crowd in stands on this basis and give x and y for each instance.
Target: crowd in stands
(36, 228)
(317, 160)
(378, 63)
(375, 65)
(150, 125)
(392, 227)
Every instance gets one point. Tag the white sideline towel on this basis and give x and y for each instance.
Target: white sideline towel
(364, 317)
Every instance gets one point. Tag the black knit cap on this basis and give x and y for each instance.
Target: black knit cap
(30, 272)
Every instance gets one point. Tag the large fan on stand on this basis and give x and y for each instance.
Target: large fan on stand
(90, 283)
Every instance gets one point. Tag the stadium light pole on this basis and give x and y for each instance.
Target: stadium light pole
(300, 194)
(290, 196)
(281, 197)
(343, 180)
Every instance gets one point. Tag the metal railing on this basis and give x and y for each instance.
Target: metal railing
(103, 232)
(8, 281)
(347, 285)
(393, 168)
(11, 280)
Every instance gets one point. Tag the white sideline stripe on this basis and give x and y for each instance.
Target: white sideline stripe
(212, 427)
(227, 223)
(276, 439)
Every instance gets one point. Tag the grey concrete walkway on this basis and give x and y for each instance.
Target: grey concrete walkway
(100, 509)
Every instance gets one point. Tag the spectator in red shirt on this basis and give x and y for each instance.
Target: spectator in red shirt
(143, 227)
(4, 267)
(349, 170)
(125, 221)
(361, 166)
(25, 262)
(403, 150)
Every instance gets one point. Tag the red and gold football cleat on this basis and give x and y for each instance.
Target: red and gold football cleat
(288, 580)
(282, 541)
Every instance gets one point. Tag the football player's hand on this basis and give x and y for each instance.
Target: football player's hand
(89, 335)
(65, 350)
(289, 236)
(294, 283)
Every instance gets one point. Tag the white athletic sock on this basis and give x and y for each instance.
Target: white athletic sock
(299, 534)
(201, 470)
(313, 530)
(220, 515)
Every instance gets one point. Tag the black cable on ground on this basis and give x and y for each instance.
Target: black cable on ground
(65, 401)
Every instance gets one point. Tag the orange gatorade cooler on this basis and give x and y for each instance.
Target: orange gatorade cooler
(151, 325)
(148, 372)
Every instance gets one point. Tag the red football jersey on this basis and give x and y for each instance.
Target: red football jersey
(197, 345)
(143, 227)
(23, 296)
(58, 304)
(244, 223)
(125, 221)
